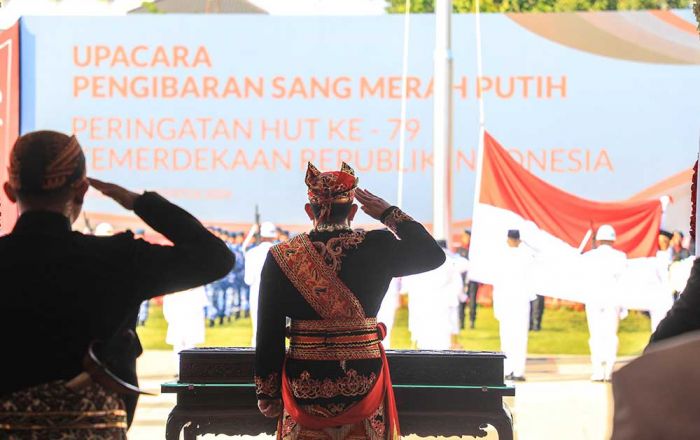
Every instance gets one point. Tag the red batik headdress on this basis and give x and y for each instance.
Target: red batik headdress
(65, 167)
(330, 187)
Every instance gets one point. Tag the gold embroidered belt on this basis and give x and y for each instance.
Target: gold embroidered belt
(334, 340)
(53, 410)
(62, 420)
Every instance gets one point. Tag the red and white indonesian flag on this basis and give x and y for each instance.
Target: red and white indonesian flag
(558, 227)
(9, 116)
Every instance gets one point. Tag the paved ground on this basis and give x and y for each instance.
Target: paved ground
(558, 402)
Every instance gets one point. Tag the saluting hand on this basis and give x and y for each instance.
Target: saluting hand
(372, 205)
(270, 408)
(120, 195)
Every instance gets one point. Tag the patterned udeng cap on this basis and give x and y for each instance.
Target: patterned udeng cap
(44, 161)
(330, 187)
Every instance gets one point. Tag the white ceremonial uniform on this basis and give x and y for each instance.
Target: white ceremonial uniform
(455, 287)
(254, 261)
(512, 293)
(604, 267)
(679, 273)
(184, 312)
(664, 300)
(430, 299)
(387, 311)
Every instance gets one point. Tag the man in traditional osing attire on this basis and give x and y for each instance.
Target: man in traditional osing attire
(83, 289)
(334, 380)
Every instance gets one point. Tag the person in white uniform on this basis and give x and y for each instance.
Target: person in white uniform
(512, 293)
(664, 297)
(254, 261)
(387, 311)
(604, 267)
(454, 289)
(184, 312)
(434, 301)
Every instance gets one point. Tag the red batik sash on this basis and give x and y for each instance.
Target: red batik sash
(333, 301)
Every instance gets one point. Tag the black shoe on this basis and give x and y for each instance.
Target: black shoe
(228, 319)
(221, 320)
(471, 324)
(246, 314)
(211, 323)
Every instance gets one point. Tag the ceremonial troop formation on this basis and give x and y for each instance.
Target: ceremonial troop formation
(229, 297)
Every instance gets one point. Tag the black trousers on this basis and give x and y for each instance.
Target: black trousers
(472, 287)
(536, 312)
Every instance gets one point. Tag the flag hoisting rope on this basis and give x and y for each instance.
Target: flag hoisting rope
(404, 91)
(480, 98)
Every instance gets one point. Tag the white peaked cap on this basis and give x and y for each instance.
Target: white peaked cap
(605, 233)
(104, 230)
(268, 230)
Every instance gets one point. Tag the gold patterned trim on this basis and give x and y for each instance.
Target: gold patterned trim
(316, 282)
(396, 217)
(334, 250)
(269, 386)
(66, 427)
(325, 340)
(332, 227)
(335, 353)
(113, 412)
(351, 385)
(339, 325)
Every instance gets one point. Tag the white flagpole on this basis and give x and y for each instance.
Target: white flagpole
(482, 126)
(442, 122)
(404, 89)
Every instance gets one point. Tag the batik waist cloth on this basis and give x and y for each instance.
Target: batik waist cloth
(334, 340)
(52, 410)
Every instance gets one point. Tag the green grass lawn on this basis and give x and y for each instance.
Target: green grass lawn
(564, 331)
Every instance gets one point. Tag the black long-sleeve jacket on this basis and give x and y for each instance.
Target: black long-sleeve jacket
(60, 290)
(366, 263)
(684, 316)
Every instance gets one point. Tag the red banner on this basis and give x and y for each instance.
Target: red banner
(507, 185)
(9, 116)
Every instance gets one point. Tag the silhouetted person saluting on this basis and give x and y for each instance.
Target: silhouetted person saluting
(81, 289)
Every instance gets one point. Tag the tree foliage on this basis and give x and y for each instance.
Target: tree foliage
(466, 6)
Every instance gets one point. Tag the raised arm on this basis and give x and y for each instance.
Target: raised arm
(196, 257)
(415, 251)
